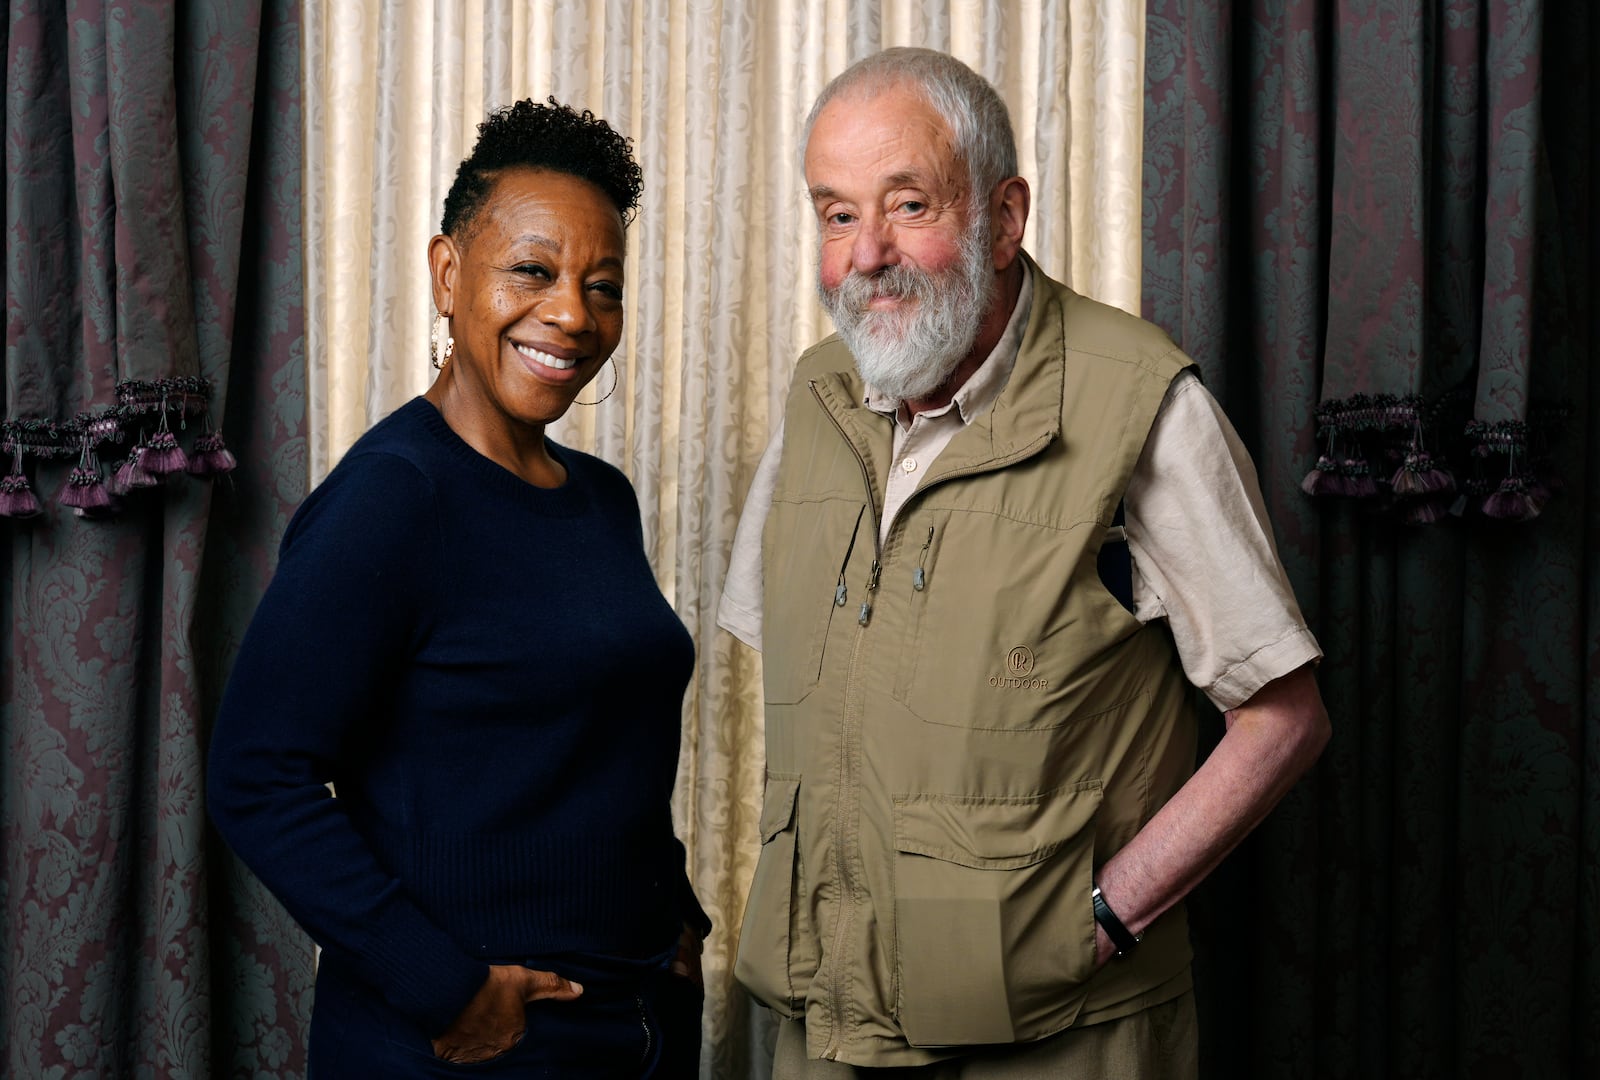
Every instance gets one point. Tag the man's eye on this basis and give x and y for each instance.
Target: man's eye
(608, 290)
(912, 206)
(533, 269)
(840, 219)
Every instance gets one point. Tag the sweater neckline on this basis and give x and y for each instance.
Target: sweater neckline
(570, 495)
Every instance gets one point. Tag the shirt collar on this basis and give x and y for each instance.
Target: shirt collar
(979, 393)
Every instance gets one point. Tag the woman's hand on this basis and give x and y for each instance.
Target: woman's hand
(495, 1019)
(686, 961)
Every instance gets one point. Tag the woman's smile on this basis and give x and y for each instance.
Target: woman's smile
(549, 362)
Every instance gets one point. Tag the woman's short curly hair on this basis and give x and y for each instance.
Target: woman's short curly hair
(543, 136)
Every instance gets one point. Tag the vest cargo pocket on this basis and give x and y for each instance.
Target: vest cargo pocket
(768, 963)
(994, 929)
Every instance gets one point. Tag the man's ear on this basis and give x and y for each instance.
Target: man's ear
(1008, 215)
(444, 264)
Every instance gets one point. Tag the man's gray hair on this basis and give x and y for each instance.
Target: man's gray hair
(969, 106)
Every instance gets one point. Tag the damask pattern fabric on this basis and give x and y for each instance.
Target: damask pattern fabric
(152, 202)
(721, 270)
(1382, 197)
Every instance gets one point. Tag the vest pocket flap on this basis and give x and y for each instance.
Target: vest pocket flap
(777, 805)
(1002, 833)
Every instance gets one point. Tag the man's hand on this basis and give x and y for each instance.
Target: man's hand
(686, 961)
(1104, 947)
(495, 1019)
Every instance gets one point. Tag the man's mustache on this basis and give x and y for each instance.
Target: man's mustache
(891, 282)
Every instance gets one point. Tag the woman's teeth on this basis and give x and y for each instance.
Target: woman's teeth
(545, 359)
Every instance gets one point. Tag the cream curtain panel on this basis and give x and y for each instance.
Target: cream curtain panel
(720, 272)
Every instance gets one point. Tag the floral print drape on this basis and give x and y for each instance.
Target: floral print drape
(1376, 197)
(152, 239)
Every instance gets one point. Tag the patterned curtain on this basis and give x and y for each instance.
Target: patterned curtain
(1372, 222)
(152, 304)
(720, 269)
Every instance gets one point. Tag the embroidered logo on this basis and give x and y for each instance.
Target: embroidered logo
(1019, 666)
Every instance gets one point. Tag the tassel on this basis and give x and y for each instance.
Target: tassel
(1357, 479)
(211, 456)
(1321, 480)
(17, 499)
(163, 455)
(132, 475)
(85, 491)
(1515, 501)
(1419, 474)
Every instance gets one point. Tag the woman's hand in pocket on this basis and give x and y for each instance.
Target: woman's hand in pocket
(686, 961)
(496, 1017)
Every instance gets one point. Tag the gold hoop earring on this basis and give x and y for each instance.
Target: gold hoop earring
(433, 343)
(615, 378)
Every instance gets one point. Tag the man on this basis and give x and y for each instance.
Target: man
(979, 816)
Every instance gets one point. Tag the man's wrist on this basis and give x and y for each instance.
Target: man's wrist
(1121, 937)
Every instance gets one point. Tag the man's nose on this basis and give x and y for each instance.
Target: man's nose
(874, 247)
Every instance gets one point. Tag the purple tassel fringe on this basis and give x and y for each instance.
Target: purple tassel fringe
(17, 499)
(85, 491)
(211, 457)
(163, 455)
(1517, 500)
(132, 475)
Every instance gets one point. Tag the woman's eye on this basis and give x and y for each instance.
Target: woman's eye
(608, 290)
(912, 206)
(532, 269)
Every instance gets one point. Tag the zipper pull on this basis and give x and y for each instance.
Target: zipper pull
(919, 579)
(865, 614)
(839, 591)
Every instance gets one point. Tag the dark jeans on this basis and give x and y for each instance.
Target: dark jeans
(644, 1025)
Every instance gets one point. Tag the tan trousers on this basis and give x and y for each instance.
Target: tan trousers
(1160, 1043)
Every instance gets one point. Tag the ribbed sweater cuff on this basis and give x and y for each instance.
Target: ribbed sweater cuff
(419, 969)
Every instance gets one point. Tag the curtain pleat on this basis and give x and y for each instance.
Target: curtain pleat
(1353, 198)
(152, 234)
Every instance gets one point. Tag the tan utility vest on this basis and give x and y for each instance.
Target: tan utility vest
(962, 725)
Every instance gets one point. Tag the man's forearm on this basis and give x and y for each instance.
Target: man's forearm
(1271, 740)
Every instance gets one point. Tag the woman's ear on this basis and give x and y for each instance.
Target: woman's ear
(444, 263)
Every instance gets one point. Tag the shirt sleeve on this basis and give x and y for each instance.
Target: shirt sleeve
(302, 705)
(1203, 553)
(739, 612)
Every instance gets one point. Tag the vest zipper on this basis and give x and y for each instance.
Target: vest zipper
(847, 808)
(863, 616)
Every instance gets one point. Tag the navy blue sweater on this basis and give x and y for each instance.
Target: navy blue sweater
(490, 677)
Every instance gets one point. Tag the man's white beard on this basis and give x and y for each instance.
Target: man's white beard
(907, 354)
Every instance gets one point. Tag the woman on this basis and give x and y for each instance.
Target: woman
(464, 637)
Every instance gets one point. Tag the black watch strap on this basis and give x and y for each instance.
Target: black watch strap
(1119, 935)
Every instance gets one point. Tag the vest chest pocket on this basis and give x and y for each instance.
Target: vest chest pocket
(1007, 614)
(804, 589)
(994, 926)
(774, 946)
